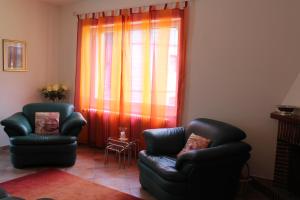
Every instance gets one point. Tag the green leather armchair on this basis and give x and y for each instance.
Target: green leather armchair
(211, 173)
(5, 196)
(29, 149)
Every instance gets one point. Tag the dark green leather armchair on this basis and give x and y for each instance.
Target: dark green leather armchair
(5, 196)
(211, 173)
(28, 149)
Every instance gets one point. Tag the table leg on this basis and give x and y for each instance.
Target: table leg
(129, 155)
(124, 158)
(134, 151)
(105, 156)
(119, 160)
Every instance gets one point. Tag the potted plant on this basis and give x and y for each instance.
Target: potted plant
(55, 92)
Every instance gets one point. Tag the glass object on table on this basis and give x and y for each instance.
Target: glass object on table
(123, 136)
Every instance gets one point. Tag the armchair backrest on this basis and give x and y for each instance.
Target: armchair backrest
(218, 132)
(64, 110)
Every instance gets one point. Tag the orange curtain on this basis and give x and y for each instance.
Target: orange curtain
(130, 71)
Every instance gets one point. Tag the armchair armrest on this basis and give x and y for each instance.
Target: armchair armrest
(166, 141)
(215, 155)
(3, 194)
(16, 125)
(73, 124)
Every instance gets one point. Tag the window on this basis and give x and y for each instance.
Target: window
(130, 69)
(103, 47)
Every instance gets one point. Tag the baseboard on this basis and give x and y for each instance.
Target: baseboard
(266, 187)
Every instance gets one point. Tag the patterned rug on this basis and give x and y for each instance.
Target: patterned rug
(58, 185)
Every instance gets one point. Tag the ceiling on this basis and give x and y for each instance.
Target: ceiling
(59, 2)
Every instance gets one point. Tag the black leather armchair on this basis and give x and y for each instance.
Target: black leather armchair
(28, 148)
(211, 173)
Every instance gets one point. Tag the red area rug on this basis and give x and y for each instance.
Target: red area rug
(59, 185)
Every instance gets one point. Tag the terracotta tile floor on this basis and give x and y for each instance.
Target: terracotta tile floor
(90, 166)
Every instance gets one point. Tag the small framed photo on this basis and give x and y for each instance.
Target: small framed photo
(14, 56)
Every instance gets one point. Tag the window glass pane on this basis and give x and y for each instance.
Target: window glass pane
(108, 62)
(98, 49)
(172, 67)
(137, 63)
(136, 66)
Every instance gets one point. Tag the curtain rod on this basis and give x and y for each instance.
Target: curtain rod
(90, 12)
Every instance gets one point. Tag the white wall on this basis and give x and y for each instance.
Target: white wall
(37, 24)
(242, 58)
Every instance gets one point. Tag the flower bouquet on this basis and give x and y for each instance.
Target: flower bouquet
(54, 92)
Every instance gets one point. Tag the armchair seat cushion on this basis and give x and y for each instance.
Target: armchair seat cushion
(33, 139)
(162, 165)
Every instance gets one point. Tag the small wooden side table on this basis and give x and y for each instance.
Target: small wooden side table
(121, 147)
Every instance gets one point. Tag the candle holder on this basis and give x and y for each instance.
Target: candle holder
(123, 133)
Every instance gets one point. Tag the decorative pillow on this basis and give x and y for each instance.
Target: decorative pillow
(47, 123)
(194, 142)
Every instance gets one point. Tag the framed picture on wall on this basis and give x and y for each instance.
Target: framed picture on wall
(14, 55)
